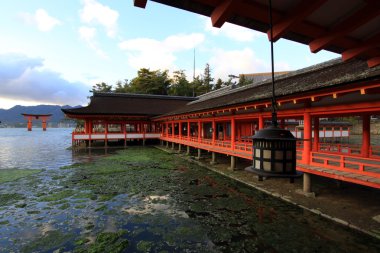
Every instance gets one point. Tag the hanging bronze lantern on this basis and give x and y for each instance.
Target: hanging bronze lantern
(274, 148)
(274, 153)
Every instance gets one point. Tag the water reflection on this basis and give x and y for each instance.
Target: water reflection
(39, 149)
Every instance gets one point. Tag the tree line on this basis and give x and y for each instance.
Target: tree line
(159, 82)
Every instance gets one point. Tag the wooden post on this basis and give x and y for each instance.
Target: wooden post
(199, 131)
(233, 163)
(188, 130)
(213, 131)
(43, 123)
(213, 158)
(105, 133)
(307, 136)
(29, 124)
(306, 183)
(233, 130)
(261, 121)
(316, 134)
(366, 137)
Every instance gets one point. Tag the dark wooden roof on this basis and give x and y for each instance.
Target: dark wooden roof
(348, 27)
(325, 75)
(36, 115)
(129, 105)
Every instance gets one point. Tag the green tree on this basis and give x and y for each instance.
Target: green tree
(243, 81)
(218, 85)
(197, 86)
(101, 87)
(207, 79)
(180, 86)
(123, 87)
(150, 82)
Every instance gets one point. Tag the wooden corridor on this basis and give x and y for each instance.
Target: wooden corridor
(346, 166)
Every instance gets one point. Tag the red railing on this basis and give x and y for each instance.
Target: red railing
(347, 163)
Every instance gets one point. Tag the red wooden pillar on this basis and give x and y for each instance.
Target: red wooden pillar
(43, 123)
(233, 130)
(85, 126)
(366, 137)
(105, 133)
(316, 134)
(261, 121)
(282, 123)
(188, 130)
(307, 136)
(213, 131)
(29, 123)
(172, 129)
(199, 131)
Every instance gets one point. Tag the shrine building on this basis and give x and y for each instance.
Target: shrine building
(222, 121)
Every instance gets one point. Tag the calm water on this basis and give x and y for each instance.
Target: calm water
(37, 149)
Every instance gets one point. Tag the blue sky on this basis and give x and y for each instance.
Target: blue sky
(52, 52)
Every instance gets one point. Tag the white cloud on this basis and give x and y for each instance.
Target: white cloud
(94, 12)
(24, 79)
(41, 19)
(87, 34)
(237, 62)
(233, 32)
(155, 54)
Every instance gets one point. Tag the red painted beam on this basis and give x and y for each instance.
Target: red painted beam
(373, 62)
(362, 48)
(304, 9)
(221, 13)
(356, 20)
(140, 3)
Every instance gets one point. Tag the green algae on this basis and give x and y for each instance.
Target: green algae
(8, 175)
(57, 196)
(10, 198)
(50, 241)
(144, 246)
(5, 222)
(201, 211)
(106, 242)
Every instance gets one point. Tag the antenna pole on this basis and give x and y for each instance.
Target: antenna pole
(194, 74)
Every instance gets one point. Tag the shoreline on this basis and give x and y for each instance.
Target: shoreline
(279, 193)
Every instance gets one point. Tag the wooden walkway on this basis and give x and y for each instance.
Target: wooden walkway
(341, 175)
(339, 166)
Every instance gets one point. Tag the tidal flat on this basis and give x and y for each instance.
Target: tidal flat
(142, 199)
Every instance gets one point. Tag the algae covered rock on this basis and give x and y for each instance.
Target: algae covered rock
(107, 242)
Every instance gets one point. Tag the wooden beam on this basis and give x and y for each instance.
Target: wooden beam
(356, 20)
(373, 62)
(365, 46)
(304, 9)
(221, 13)
(140, 3)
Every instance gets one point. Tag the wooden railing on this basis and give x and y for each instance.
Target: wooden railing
(347, 163)
(352, 149)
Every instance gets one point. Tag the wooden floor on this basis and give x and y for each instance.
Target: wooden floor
(341, 175)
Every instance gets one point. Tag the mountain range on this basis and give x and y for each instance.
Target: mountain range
(13, 115)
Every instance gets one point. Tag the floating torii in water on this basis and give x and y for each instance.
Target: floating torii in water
(30, 117)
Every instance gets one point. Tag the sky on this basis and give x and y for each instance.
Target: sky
(53, 52)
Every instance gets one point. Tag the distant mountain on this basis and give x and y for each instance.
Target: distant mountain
(13, 115)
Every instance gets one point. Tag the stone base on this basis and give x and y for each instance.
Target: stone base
(306, 194)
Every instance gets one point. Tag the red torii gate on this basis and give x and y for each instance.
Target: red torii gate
(30, 117)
